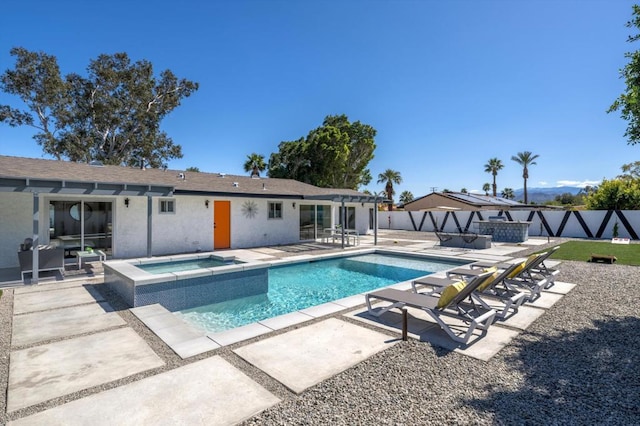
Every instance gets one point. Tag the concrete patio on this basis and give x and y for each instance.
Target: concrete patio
(78, 359)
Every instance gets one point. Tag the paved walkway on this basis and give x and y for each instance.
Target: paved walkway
(77, 361)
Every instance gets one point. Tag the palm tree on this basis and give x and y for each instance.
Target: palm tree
(508, 194)
(493, 166)
(255, 164)
(486, 188)
(406, 197)
(525, 159)
(389, 177)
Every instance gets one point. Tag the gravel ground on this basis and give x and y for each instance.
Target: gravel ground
(577, 364)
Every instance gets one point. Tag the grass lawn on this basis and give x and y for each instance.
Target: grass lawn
(627, 254)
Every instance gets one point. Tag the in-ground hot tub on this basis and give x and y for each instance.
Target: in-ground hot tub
(185, 281)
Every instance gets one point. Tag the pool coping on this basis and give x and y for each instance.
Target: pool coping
(187, 340)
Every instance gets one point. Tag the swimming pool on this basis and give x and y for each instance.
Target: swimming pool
(299, 286)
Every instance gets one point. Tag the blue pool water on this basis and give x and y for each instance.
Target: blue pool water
(184, 265)
(299, 286)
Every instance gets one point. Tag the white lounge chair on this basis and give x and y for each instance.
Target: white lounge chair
(491, 290)
(449, 302)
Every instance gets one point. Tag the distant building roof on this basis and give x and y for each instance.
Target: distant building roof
(462, 201)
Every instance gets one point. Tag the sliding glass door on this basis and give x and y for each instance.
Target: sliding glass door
(313, 219)
(76, 225)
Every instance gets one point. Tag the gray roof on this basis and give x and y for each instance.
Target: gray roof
(178, 181)
(482, 200)
(476, 200)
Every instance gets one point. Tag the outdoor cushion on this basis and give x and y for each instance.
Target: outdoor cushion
(449, 293)
(484, 284)
(520, 267)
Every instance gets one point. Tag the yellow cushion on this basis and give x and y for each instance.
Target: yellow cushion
(520, 267)
(449, 293)
(484, 284)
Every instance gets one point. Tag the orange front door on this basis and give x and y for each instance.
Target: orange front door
(221, 224)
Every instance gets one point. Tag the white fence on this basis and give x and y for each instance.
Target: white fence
(576, 224)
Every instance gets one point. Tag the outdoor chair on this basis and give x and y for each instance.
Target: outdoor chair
(450, 302)
(49, 259)
(491, 290)
(443, 237)
(534, 271)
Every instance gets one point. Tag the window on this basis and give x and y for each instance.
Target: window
(275, 210)
(167, 206)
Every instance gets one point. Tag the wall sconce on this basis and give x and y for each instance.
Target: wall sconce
(126, 202)
(362, 204)
(294, 204)
(206, 203)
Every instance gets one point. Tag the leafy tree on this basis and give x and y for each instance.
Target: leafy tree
(508, 194)
(406, 197)
(486, 188)
(525, 159)
(113, 115)
(568, 199)
(629, 102)
(464, 191)
(389, 177)
(335, 155)
(615, 194)
(630, 171)
(193, 169)
(255, 164)
(588, 190)
(493, 166)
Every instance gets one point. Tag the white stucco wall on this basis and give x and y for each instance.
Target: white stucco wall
(260, 230)
(188, 230)
(571, 229)
(16, 224)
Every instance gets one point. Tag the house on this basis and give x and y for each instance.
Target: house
(129, 212)
(462, 201)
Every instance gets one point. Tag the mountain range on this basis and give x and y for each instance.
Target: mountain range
(541, 195)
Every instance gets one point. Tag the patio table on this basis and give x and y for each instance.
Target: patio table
(99, 254)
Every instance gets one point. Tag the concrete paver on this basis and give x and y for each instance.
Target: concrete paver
(48, 371)
(306, 356)
(47, 325)
(238, 334)
(54, 299)
(422, 327)
(207, 392)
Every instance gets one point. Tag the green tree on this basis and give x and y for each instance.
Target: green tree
(255, 164)
(525, 159)
(406, 197)
(630, 171)
(508, 194)
(568, 199)
(486, 188)
(615, 194)
(389, 177)
(629, 102)
(113, 115)
(464, 191)
(334, 155)
(193, 169)
(493, 166)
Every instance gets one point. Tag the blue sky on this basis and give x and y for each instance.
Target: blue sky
(447, 84)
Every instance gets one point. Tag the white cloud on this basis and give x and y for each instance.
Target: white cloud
(578, 183)
(542, 183)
